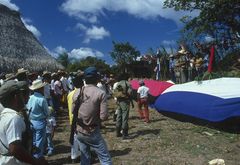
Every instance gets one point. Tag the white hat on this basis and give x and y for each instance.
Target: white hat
(37, 84)
(21, 70)
(182, 51)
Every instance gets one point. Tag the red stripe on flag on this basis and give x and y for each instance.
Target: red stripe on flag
(211, 59)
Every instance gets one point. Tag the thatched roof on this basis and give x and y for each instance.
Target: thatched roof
(19, 47)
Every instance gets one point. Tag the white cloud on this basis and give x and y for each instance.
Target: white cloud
(80, 26)
(9, 4)
(31, 28)
(92, 33)
(146, 9)
(85, 52)
(77, 53)
(60, 50)
(95, 33)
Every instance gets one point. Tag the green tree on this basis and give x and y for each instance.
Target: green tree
(63, 59)
(90, 61)
(124, 54)
(217, 18)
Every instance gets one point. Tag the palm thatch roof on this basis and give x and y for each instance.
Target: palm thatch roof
(19, 47)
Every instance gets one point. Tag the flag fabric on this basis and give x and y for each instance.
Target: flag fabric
(212, 100)
(158, 69)
(210, 64)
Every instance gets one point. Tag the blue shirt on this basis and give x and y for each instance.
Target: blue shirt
(37, 107)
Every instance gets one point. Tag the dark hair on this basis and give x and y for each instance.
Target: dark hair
(123, 76)
(22, 77)
(91, 80)
(78, 81)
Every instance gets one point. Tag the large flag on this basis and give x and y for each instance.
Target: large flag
(213, 100)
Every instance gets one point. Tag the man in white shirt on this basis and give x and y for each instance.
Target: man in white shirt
(12, 127)
(142, 95)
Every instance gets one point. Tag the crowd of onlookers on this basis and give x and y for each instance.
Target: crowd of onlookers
(40, 97)
(30, 104)
(185, 67)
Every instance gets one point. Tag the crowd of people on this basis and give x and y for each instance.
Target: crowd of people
(30, 104)
(185, 67)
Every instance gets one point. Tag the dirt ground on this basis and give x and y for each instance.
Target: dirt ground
(164, 141)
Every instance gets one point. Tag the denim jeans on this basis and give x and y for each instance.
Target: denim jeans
(49, 142)
(39, 136)
(97, 143)
(75, 148)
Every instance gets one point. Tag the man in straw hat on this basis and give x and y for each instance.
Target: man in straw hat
(21, 74)
(92, 110)
(12, 150)
(38, 112)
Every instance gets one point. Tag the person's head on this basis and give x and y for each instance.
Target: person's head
(77, 79)
(171, 56)
(123, 76)
(37, 86)
(21, 74)
(141, 83)
(91, 75)
(11, 95)
(198, 55)
(10, 76)
(46, 76)
(24, 89)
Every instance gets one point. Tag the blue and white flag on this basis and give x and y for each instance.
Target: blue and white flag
(212, 100)
(158, 69)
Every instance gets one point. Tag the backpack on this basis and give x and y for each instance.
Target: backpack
(123, 91)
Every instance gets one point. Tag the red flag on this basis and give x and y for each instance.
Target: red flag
(211, 59)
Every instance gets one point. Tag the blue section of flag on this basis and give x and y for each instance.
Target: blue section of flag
(199, 105)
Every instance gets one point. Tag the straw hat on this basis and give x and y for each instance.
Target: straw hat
(9, 76)
(37, 84)
(183, 50)
(46, 73)
(21, 70)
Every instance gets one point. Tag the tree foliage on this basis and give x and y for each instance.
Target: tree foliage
(123, 54)
(217, 18)
(90, 61)
(63, 59)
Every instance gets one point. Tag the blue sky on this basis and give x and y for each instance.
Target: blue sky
(88, 27)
